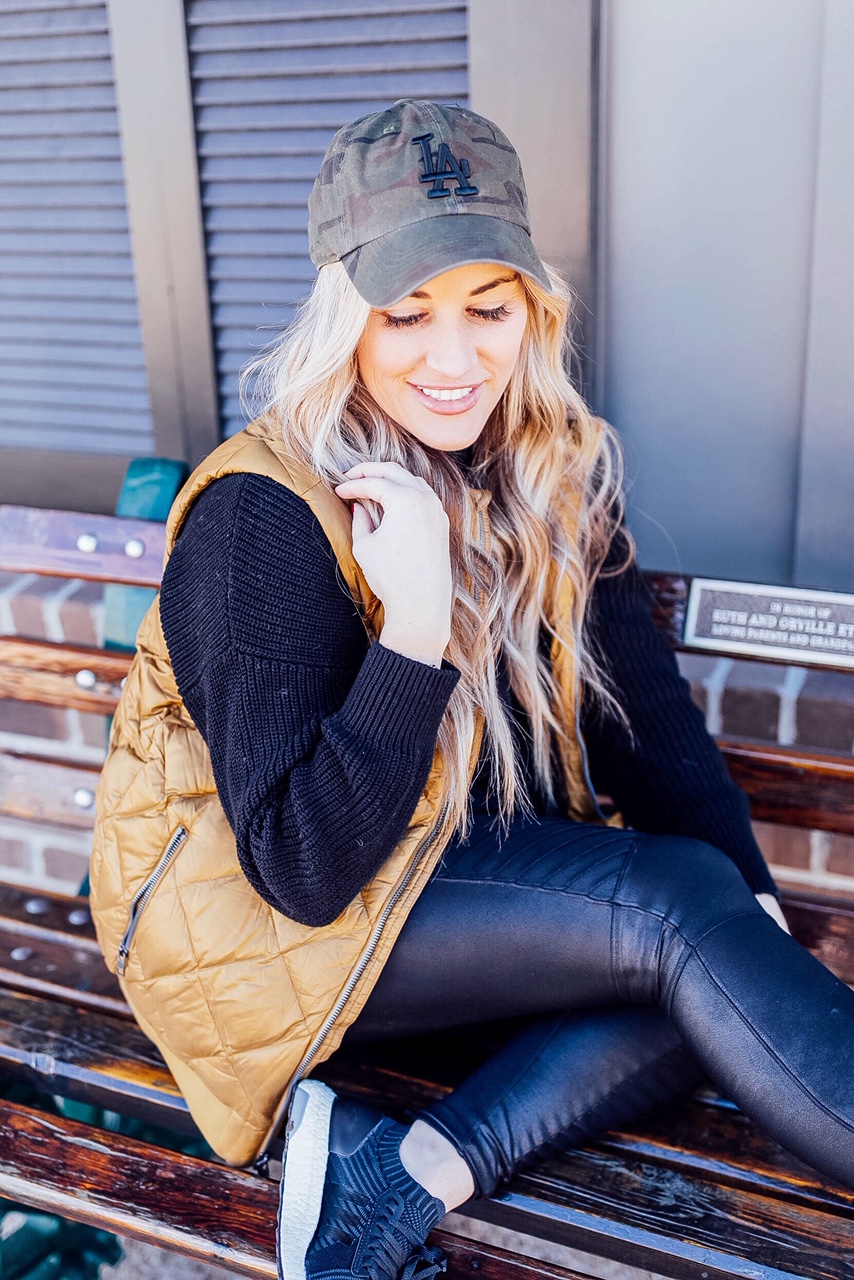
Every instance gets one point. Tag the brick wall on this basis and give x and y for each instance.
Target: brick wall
(792, 707)
(789, 706)
(49, 854)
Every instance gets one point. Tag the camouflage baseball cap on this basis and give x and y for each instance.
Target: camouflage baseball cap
(410, 192)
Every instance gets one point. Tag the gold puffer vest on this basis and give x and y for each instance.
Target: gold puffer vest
(241, 1001)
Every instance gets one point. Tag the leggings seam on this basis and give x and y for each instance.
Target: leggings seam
(772, 1052)
(615, 932)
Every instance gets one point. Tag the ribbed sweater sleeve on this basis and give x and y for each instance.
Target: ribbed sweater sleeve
(666, 774)
(320, 744)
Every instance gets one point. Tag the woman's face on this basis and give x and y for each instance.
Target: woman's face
(438, 362)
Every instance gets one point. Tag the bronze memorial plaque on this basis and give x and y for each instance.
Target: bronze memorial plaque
(773, 622)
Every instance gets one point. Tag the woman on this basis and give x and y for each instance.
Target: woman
(349, 788)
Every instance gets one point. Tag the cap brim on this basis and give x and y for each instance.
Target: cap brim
(388, 269)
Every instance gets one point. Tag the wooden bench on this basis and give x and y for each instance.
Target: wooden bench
(696, 1191)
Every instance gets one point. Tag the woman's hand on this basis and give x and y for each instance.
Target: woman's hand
(770, 904)
(406, 558)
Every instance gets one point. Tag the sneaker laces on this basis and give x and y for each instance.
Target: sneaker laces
(380, 1254)
(434, 1262)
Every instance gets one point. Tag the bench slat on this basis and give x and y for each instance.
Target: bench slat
(63, 915)
(788, 785)
(721, 1143)
(34, 966)
(48, 947)
(54, 542)
(61, 675)
(40, 790)
(670, 1221)
(90, 1057)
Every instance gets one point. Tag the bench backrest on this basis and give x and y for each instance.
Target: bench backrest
(786, 785)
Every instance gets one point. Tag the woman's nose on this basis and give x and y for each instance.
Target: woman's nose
(451, 352)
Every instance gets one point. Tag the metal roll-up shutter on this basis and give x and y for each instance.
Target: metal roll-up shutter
(271, 84)
(72, 375)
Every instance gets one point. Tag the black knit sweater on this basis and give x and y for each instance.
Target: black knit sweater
(321, 743)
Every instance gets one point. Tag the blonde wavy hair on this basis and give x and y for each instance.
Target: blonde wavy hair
(554, 473)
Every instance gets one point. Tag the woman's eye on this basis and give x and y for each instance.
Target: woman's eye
(481, 313)
(491, 313)
(399, 322)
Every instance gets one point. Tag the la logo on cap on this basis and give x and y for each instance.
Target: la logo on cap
(442, 166)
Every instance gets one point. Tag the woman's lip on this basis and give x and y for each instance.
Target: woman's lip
(448, 407)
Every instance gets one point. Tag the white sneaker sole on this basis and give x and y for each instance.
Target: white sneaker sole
(303, 1176)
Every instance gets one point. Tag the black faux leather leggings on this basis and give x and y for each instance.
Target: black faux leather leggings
(650, 962)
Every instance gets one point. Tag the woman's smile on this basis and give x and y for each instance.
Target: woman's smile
(448, 400)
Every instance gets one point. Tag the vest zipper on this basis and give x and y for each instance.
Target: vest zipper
(364, 960)
(262, 1160)
(143, 895)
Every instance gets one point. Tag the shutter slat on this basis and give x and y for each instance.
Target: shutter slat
(45, 218)
(376, 83)
(271, 84)
(240, 195)
(310, 60)
(100, 363)
(59, 266)
(236, 252)
(81, 334)
(18, 22)
(77, 286)
(293, 272)
(231, 271)
(39, 49)
(60, 169)
(68, 96)
(76, 398)
(33, 148)
(72, 437)
(220, 13)
(123, 419)
(324, 115)
(56, 310)
(67, 124)
(226, 226)
(347, 32)
(76, 195)
(37, 374)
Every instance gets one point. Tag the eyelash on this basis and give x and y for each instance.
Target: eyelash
(482, 313)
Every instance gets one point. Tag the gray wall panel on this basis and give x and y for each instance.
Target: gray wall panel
(712, 121)
(72, 376)
(825, 533)
(271, 84)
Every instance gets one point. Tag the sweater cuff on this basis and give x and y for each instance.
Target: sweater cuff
(397, 701)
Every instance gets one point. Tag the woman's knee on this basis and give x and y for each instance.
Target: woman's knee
(685, 883)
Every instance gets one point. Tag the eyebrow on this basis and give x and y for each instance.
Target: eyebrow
(484, 288)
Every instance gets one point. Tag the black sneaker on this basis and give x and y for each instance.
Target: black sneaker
(348, 1208)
